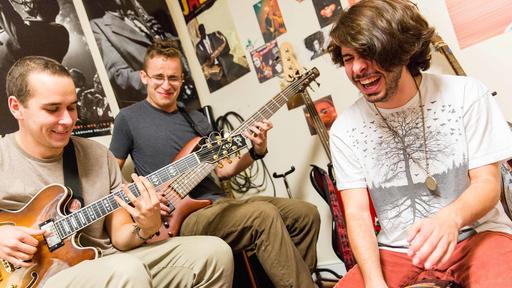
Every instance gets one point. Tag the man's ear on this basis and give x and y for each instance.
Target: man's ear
(15, 107)
(143, 77)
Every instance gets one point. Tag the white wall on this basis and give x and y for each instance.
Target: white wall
(290, 142)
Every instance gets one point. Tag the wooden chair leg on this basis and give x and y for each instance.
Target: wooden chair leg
(248, 267)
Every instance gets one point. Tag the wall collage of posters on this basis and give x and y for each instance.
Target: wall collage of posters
(222, 56)
(122, 30)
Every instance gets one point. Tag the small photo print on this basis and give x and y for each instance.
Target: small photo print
(327, 11)
(267, 62)
(325, 114)
(270, 19)
(316, 44)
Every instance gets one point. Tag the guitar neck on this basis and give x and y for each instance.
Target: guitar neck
(278, 101)
(186, 182)
(72, 223)
(318, 124)
(441, 46)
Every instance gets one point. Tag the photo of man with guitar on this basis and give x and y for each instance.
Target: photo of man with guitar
(283, 232)
(214, 55)
(52, 235)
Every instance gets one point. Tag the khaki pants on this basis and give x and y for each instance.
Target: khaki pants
(283, 232)
(481, 261)
(198, 261)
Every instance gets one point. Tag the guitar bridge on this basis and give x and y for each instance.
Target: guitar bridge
(53, 240)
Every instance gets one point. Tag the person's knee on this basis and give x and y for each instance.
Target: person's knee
(310, 214)
(219, 252)
(130, 270)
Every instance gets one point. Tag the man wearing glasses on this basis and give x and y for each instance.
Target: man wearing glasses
(283, 232)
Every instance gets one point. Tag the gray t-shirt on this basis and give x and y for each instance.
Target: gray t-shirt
(464, 129)
(23, 176)
(153, 138)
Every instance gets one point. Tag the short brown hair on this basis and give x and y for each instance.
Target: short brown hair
(17, 78)
(391, 32)
(165, 48)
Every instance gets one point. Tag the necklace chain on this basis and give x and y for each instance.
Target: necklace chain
(396, 135)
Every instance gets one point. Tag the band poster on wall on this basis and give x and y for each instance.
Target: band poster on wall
(53, 30)
(123, 30)
(216, 42)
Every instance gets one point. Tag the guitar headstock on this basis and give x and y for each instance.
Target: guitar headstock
(291, 70)
(217, 148)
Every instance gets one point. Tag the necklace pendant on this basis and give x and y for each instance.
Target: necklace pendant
(431, 183)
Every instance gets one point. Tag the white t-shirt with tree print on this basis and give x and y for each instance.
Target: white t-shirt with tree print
(464, 129)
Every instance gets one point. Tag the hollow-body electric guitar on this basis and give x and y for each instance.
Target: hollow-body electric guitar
(177, 191)
(59, 247)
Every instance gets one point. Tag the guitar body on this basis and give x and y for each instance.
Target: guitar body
(49, 203)
(185, 206)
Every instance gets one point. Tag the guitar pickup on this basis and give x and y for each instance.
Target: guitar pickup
(53, 240)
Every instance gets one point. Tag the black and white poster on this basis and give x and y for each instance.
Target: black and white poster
(52, 29)
(123, 30)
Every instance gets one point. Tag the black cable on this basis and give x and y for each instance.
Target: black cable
(245, 180)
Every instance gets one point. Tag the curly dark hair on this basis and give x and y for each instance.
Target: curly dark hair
(391, 32)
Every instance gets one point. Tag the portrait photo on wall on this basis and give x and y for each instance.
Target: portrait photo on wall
(327, 11)
(316, 43)
(267, 62)
(326, 112)
(218, 47)
(52, 29)
(270, 19)
(123, 29)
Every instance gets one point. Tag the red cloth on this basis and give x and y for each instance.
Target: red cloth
(483, 260)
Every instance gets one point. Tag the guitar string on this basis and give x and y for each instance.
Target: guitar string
(276, 100)
(319, 125)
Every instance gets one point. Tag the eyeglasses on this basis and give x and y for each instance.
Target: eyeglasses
(160, 79)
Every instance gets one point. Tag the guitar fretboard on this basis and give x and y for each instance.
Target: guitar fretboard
(70, 224)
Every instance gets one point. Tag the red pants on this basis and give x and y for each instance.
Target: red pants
(483, 260)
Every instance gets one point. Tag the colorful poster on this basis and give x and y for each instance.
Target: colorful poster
(218, 46)
(270, 19)
(52, 30)
(267, 62)
(475, 21)
(123, 30)
(326, 111)
(192, 8)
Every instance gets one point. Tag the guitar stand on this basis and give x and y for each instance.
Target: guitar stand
(275, 175)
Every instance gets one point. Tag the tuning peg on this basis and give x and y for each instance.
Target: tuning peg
(229, 160)
(220, 165)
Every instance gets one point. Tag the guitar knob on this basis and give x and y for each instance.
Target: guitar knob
(166, 224)
(157, 233)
